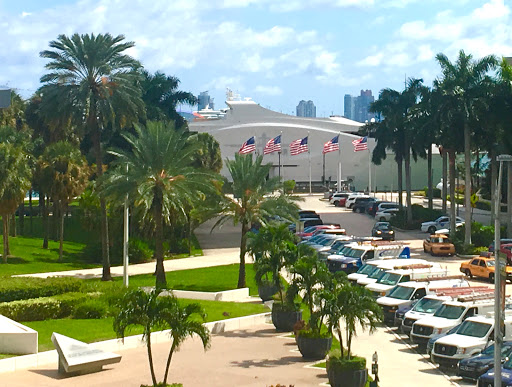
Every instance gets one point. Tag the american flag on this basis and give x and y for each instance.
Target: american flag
(360, 144)
(332, 145)
(299, 146)
(248, 147)
(273, 145)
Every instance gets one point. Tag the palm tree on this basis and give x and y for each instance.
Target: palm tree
(161, 95)
(155, 312)
(92, 82)
(157, 175)
(15, 179)
(256, 199)
(66, 172)
(208, 156)
(463, 84)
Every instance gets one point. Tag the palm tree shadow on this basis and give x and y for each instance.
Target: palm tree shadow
(15, 260)
(269, 363)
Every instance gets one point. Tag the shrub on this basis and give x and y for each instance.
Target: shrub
(288, 186)
(436, 192)
(139, 251)
(24, 288)
(90, 309)
(336, 362)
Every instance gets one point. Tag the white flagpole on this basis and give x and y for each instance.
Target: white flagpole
(309, 153)
(339, 163)
(369, 167)
(126, 237)
(279, 154)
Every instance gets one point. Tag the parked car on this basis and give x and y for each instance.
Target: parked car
(386, 215)
(384, 231)
(487, 379)
(438, 244)
(478, 365)
(372, 207)
(482, 267)
(360, 204)
(309, 231)
(441, 222)
(352, 198)
(503, 241)
(303, 214)
(339, 197)
(506, 252)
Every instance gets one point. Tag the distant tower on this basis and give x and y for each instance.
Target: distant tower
(306, 109)
(357, 108)
(204, 100)
(348, 108)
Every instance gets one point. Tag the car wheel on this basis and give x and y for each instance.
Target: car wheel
(336, 202)
(432, 229)
(468, 273)
(491, 277)
(359, 210)
(351, 205)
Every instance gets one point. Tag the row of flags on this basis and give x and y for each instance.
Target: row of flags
(301, 145)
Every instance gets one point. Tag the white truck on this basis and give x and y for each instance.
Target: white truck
(473, 336)
(408, 292)
(406, 273)
(373, 265)
(385, 267)
(428, 305)
(451, 314)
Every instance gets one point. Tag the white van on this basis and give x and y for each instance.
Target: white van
(406, 293)
(352, 198)
(406, 273)
(428, 305)
(372, 265)
(451, 314)
(473, 336)
(387, 266)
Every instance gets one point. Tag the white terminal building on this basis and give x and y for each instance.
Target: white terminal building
(245, 118)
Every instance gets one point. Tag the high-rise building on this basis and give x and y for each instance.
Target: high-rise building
(306, 109)
(356, 108)
(204, 100)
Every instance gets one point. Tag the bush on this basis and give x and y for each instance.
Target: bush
(90, 309)
(337, 363)
(139, 251)
(288, 186)
(24, 288)
(436, 192)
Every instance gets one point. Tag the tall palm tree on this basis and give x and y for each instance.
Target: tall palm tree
(93, 82)
(155, 312)
(157, 175)
(256, 199)
(464, 83)
(67, 173)
(161, 95)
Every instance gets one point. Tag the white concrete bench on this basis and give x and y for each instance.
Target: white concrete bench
(78, 357)
(15, 338)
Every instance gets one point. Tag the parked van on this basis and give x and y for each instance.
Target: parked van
(428, 305)
(372, 265)
(473, 336)
(405, 273)
(407, 292)
(451, 314)
(387, 265)
(350, 260)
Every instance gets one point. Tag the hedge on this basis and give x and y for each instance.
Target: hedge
(44, 308)
(24, 288)
(337, 363)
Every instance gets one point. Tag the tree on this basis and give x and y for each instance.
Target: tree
(15, 178)
(14, 115)
(66, 174)
(463, 84)
(155, 312)
(157, 175)
(92, 82)
(256, 199)
(208, 155)
(161, 95)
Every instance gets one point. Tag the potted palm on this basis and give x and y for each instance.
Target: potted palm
(273, 249)
(311, 279)
(354, 306)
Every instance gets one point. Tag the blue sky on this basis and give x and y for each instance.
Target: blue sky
(275, 51)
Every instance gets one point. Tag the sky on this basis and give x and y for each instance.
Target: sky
(277, 52)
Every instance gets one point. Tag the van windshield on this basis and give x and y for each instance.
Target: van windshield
(377, 273)
(355, 253)
(474, 329)
(326, 242)
(367, 269)
(389, 279)
(427, 305)
(451, 312)
(401, 292)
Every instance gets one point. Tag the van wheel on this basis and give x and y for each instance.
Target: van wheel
(468, 273)
(491, 277)
(431, 230)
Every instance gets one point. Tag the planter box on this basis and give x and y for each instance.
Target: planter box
(313, 347)
(355, 378)
(284, 320)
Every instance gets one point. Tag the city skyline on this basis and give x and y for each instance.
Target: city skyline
(275, 53)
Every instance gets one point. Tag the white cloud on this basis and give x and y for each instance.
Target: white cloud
(372, 60)
(268, 90)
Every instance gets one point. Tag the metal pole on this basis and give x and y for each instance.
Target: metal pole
(369, 171)
(126, 237)
(279, 155)
(339, 162)
(309, 154)
(497, 286)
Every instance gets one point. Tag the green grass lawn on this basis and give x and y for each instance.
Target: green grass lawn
(97, 330)
(208, 279)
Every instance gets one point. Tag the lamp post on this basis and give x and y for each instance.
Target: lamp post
(498, 276)
(372, 120)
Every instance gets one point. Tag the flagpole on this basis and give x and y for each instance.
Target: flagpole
(339, 163)
(309, 153)
(279, 154)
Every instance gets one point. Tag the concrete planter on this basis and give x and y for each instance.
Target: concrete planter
(353, 378)
(314, 347)
(284, 320)
(266, 290)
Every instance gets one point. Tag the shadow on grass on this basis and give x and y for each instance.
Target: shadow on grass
(15, 260)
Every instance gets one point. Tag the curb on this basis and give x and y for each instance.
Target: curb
(16, 363)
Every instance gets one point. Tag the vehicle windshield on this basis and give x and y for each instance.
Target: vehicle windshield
(490, 263)
(489, 351)
(315, 238)
(474, 329)
(389, 278)
(326, 242)
(377, 273)
(310, 229)
(338, 245)
(367, 269)
(354, 253)
(427, 305)
(401, 292)
(385, 227)
(451, 312)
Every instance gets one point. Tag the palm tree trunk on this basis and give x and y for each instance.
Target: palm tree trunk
(169, 358)
(22, 218)
(467, 184)
(494, 176)
(46, 224)
(429, 178)
(31, 210)
(150, 359)
(509, 200)
(340, 338)
(161, 282)
(243, 248)
(452, 192)
(408, 186)
(12, 229)
(55, 220)
(5, 238)
(61, 239)
(400, 183)
(444, 192)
